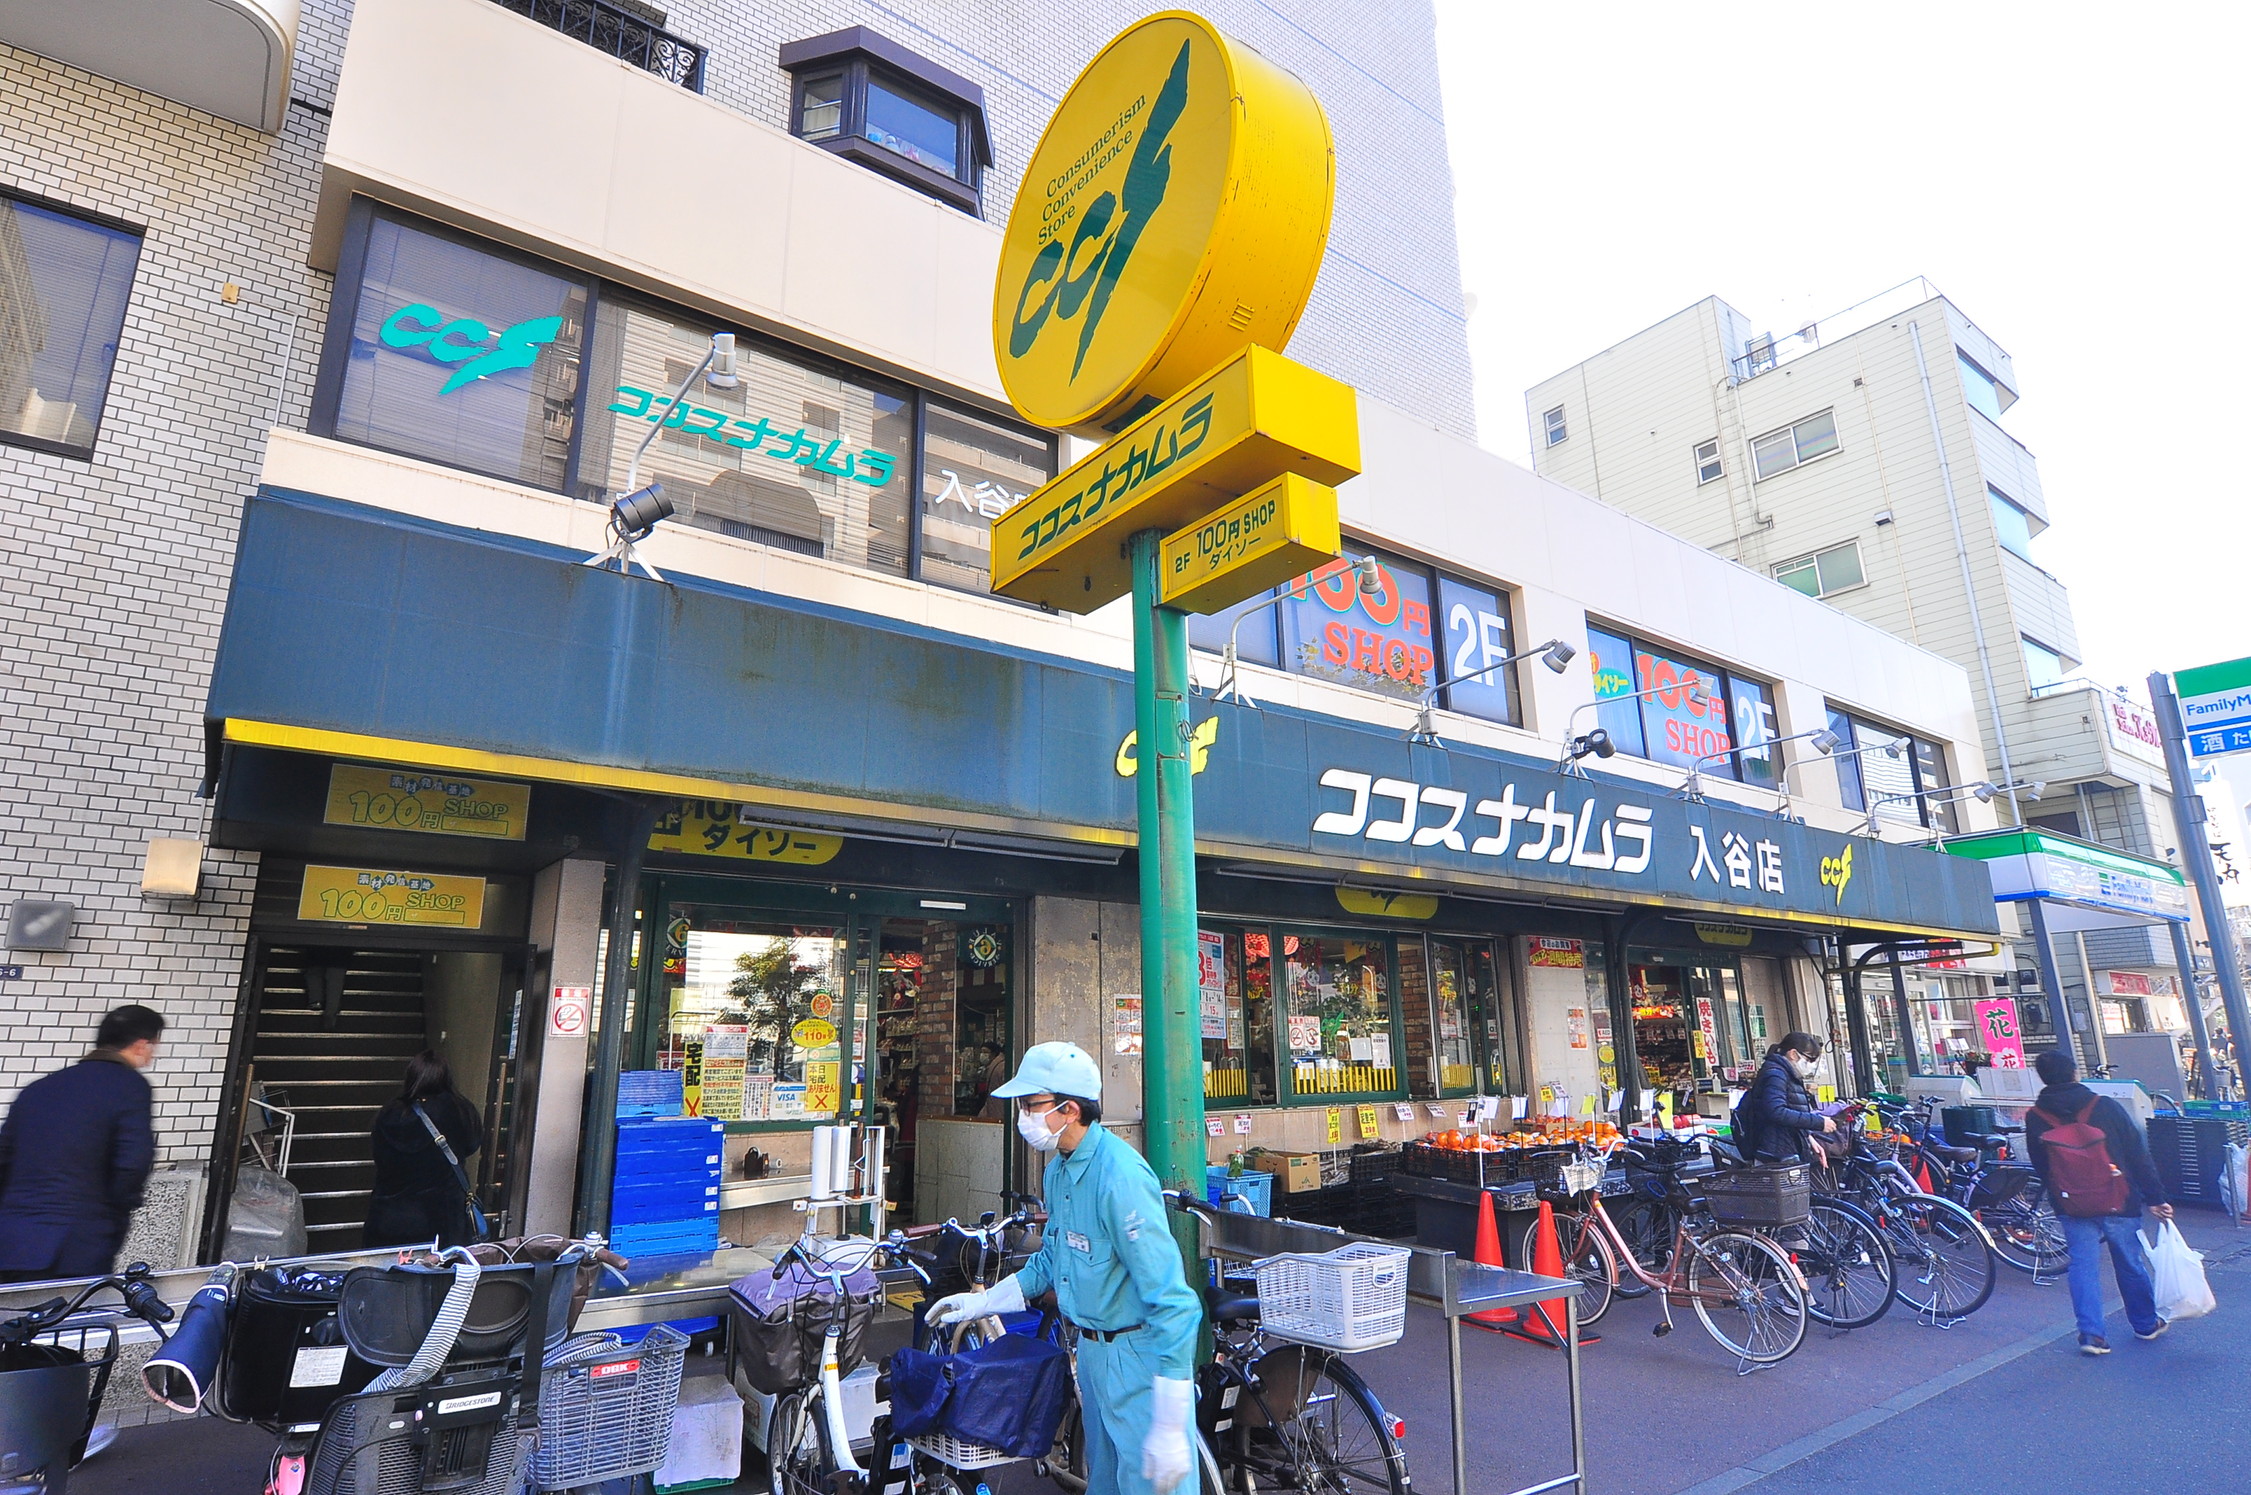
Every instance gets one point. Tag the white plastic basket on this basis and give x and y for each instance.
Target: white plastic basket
(959, 1453)
(1352, 1298)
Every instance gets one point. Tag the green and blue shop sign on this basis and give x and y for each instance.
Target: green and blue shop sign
(335, 607)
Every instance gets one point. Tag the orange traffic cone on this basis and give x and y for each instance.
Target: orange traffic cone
(1545, 1323)
(1488, 1254)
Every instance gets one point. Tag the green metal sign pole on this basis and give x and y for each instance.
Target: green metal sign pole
(1171, 1010)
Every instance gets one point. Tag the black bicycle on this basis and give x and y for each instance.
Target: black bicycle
(55, 1363)
(1991, 1181)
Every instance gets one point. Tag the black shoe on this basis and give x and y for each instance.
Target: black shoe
(2093, 1344)
(2162, 1326)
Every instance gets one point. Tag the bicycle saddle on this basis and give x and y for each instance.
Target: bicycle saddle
(1950, 1153)
(1232, 1307)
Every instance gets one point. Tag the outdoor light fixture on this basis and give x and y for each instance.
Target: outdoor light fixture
(1823, 740)
(1555, 654)
(1984, 791)
(1367, 581)
(638, 510)
(1828, 742)
(1575, 748)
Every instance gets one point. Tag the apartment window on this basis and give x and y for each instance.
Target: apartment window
(1708, 467)
(1418, 629)
(1981, 389)
(456, 353)
(864, 97)
(1671, 708)
(1818, 575)
(2011, 524)
(2043, 665)
(1553, 421)
(64, 282)
(1779, 451)
(1896, 774)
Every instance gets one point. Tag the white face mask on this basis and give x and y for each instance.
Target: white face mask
(1805, 1069)
(1033, 1128)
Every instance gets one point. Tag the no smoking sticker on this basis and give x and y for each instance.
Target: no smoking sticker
(570, 1011)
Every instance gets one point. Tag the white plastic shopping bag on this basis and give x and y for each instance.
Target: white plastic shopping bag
(2235, 1181)
(2178, 1275)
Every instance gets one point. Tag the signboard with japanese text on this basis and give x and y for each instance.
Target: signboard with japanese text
(363, 895)
(1549, 951)
(570, 1011)
(1264, 538)
(2216, 708)
(1175, 210)
(710, 827)
(2042, 864)
(440, 804)
(2000, 1032)
(1211, 984)
(2132, 731)
(1382, 641)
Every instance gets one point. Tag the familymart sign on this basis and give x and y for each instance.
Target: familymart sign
(2216, 708)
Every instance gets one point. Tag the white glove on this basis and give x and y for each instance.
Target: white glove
(1164, 1454)
(1005, 1296)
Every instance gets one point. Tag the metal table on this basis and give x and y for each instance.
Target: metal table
(1435, 1279)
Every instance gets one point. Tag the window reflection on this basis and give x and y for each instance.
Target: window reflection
(1338, 1027)
(753, 1017)
(973, 470)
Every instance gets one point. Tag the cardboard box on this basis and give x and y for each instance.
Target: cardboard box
(1294, 1172)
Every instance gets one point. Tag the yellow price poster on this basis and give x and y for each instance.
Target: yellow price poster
(438, 804)
(363, 895)
(822, 1094)
(1336, 1126)
(1368, 1129)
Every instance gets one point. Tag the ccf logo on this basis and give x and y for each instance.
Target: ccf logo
(468, 342)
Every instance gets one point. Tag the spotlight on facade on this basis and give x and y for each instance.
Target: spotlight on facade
(634, 514)
(1557, 656)
(1596, 743)
(1367, 575)
(1825, 741)
(722, 375)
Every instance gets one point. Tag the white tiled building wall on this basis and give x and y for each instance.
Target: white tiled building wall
(113, 573)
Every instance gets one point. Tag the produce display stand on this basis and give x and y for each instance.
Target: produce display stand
(1440, 1280)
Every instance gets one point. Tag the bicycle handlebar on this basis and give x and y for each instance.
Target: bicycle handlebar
(136, 1285)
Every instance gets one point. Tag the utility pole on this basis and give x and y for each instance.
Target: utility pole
(2196, 857)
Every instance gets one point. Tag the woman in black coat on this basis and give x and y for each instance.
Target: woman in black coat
(418, 1196)
(1779, 1107)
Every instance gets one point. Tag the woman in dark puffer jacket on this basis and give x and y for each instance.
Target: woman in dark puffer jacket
(1778, 1107)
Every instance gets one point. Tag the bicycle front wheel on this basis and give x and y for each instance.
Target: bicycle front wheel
(2027, 1235)
(1849, 1275)
(1333, 1436)
(793, 1447)
(1946, 1262)
(1749, 1296)
(1586, 1256)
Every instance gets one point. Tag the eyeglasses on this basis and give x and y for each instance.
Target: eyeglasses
(1038, 1108)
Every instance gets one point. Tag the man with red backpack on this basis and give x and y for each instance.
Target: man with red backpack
(2099, 1175)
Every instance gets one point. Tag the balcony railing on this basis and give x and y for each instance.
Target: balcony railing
(622, 34)
(1766, 351)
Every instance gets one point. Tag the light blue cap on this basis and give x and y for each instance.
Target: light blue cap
(1055, 1069)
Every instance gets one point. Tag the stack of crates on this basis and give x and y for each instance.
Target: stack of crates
(665, 1201)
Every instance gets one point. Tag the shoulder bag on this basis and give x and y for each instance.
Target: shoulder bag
(478, 1226)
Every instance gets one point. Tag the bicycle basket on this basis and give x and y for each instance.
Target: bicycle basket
(1999, 1184)
(605, 1408)
(1352, 1298)
(779, 1323)
(1760, 1198)
(1573, 1179)
(1008, 1396)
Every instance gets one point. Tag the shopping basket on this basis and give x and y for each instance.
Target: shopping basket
(605, 1408)
(1352, 1298)
(1763, 1198)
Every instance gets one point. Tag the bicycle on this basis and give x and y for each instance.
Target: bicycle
(1274, 1414)
(1747, 1292)
(1850, 1275)
(53, 1375)
(1945, 1260)
(2007, 1196)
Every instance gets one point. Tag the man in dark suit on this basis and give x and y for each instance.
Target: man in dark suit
(75, 1154)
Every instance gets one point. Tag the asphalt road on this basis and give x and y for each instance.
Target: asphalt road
(2001, 1403)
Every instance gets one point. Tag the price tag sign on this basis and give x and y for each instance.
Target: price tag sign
(570, 1012)
(1242, 1126)
(1336, 1126)
(1214, 1128)
(1368, 1128)
(1404, 1110)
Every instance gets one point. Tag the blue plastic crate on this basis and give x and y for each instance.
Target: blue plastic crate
(1255, 1190)
(667, 1238)
(669, 1144)
(633, 1333)
(662, 1204)
(651, 1092)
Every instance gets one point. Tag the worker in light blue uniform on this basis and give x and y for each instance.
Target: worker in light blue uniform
(1116, 1271)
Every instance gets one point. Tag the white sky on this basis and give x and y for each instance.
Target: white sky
(2071, 176)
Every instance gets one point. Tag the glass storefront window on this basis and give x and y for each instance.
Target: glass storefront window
(1610, 659)
(1682, 728)
(1474, 625)
(1258, 1012)
(1338, 1016)
(753, 1016)
(1381, 642)
(793, 456)
(973, 469)
(462, 356)
(1219, 981)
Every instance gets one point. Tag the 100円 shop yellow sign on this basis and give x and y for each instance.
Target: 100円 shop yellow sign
(1254, 417)
(1176, 209)
(1266, 537)
(364, 895)
(412, 799)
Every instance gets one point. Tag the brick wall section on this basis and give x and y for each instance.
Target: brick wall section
(116, 569)
(1414, 1010)
(934, 1022)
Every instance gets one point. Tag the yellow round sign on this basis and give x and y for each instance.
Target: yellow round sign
(1175, 212)
(813, 1033)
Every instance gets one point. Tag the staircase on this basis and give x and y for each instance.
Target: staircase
(335, 1030)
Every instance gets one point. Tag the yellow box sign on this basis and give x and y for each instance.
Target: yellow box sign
(1175, 210)
(711, 827)
(1268, 536)
(1255, 417)
(364, 895)
(439, 804)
